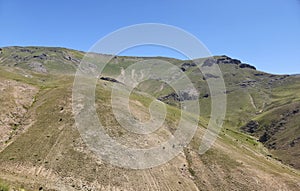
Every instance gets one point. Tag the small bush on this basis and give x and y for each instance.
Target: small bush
(192, 171)
(4, 187)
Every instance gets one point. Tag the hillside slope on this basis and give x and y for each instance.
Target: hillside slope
(44, 149)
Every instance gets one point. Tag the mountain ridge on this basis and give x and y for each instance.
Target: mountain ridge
(41, 147)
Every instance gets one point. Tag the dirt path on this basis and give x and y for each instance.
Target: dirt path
(252, 101)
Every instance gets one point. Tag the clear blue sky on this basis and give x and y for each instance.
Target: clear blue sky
(265, 33)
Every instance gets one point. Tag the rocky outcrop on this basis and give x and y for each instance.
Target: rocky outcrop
(37, 58)
(184, 95)
(172, 96)
(247, 66)
(41, 56)
(251, 127)
(248, 83)
(209, 62)
(187, 65)
(294, 142)
(38, 67)
(226, 60)
(208, 76)
(26, 50)
(259, 74)
(109, 79)
(267, 131)
(69, 57)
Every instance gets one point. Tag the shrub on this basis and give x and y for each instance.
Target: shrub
(4, 187)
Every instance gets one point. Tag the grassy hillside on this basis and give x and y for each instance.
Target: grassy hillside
(45, 151)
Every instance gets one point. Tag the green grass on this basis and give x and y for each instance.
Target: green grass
(52, 144)
(4, 186)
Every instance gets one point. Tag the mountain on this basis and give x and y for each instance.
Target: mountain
(41, 148)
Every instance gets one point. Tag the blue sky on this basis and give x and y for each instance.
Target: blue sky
(264, 33)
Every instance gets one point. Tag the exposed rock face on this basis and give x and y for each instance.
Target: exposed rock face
(264, 138)
(184, 95)
(109, 79)
(259, 74)
(248, 83)
(247, 66)
(251, 127)
(207, 76)
(69, 57)
(294, 142)
(206, 95)
(26, 50)
(173, 96)
(41, 56)
(226, 60)
(28, 57)
(38, 67)
(277, 130)
(209, 62)
(187, 65)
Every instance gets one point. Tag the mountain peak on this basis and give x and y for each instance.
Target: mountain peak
(223, 59)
